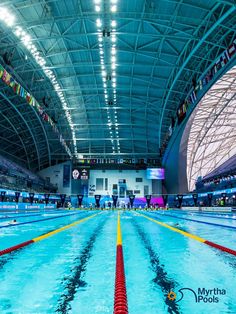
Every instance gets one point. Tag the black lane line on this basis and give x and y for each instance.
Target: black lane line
(5, 258)
(74, 280)
(229, 258)
(166, 284)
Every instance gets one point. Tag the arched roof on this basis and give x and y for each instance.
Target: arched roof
(159, 47)
(212, 138)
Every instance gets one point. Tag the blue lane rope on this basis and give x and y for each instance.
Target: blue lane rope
(206, 215)
(201, 222)
(38, 220)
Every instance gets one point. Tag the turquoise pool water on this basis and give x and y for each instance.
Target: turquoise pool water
(74, 271)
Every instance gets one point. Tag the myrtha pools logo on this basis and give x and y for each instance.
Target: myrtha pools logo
(201, 295)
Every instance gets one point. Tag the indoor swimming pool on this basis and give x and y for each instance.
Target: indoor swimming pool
(70, 265)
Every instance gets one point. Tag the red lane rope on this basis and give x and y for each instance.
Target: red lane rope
(15, 247)
(220, 247)
(120, 304)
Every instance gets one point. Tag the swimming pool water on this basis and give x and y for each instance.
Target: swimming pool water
(73, 271)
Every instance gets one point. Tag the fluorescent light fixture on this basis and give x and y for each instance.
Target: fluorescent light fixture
(113, 8)
(97, 8)
(99, 23)
(113, 23)
(104, 73)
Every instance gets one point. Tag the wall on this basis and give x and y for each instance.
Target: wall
(113, 177)
(55, 173)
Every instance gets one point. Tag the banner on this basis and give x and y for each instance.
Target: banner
(17, 195)
(148, 199)
(165, 199)
(31, 198)
(209, 196)
(46, 197)
(80, 199)
(80, 174)
(63, 199)
(97, 200)
(115, 199)
(3, 193)
(195, 197)
(131, 200)
(180, 199)
(66, 176)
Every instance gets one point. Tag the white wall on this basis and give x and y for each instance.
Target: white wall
(113, 178)
(55, 173)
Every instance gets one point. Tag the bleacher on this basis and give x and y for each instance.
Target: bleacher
(15, 177)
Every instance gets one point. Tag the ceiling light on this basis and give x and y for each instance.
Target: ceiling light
(97, 8)
(99, 23)
(104, 73)
(113, 39)
(113, 23)
(113, 8)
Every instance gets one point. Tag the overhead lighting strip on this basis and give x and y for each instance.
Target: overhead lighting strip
(108, 63)
(9, 20)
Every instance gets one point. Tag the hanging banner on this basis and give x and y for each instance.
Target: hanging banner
(3, 193)
(80, 199)
(165, 199)
(63, 199)
(31, 198)
(180, 199)
(17, 195)
(131, 200)
(195, 197)
(46, 197)
(115, 199)
(97, 200)
(148, 200)
(209, 196)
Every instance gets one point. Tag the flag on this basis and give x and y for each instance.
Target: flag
(231, 50)
(6, 77)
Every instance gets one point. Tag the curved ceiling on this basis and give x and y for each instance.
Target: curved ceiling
(212, 138)
(159, 47)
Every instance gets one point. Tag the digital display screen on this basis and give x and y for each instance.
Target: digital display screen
(80, 174)
(156, 173)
